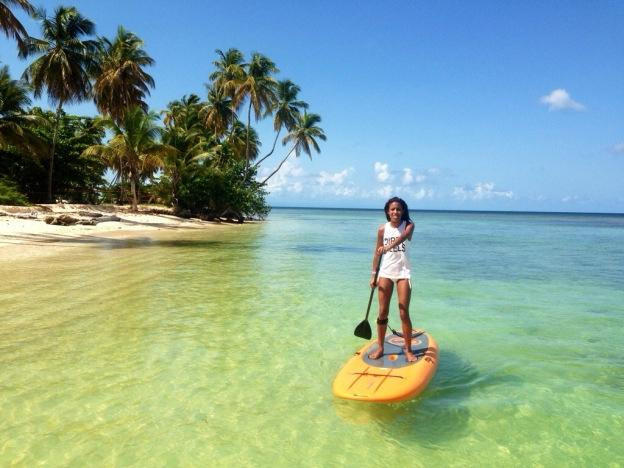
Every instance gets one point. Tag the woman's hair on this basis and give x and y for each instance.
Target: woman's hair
(405, 216)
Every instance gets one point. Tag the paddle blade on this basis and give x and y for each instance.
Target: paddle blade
(363, 330)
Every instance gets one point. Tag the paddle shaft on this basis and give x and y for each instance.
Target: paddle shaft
(370, 299)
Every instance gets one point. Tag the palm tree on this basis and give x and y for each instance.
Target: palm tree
(120, 81)
(10, 24)
(259, 87)
(229, 73)
(303, 136)
(14, 124)
(287, 110)
(243, 142)
(62, 65)
(187, 135)
(217, 112)
(183, 113)
(134, 144)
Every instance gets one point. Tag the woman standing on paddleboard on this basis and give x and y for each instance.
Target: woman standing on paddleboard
(394, 269)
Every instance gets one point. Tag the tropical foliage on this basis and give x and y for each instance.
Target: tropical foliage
(10, 25)
(133, 150)
(15, 124)
(196, 155)
(62, 64)
(76, 179)
(120, 81)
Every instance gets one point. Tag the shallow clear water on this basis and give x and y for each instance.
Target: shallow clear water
(220, 347)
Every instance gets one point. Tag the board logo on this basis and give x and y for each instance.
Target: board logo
(399, 341)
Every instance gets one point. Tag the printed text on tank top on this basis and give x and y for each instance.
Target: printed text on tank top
(389, 240)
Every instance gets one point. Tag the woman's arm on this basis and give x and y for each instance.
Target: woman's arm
(378, 252)
(407, 234)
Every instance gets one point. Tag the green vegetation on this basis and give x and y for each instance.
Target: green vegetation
(196, 155)
(9, 194)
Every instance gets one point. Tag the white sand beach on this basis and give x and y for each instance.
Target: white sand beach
(24, 232)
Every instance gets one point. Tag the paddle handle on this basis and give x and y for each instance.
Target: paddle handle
(370, 299)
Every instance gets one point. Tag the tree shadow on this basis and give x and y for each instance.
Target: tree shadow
(439, 414)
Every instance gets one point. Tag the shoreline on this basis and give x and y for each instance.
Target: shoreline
(25, 235)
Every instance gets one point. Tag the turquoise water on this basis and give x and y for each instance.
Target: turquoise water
(219, 348)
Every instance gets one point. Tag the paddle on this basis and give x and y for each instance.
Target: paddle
(363, 330)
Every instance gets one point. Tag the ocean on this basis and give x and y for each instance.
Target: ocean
(219, 348)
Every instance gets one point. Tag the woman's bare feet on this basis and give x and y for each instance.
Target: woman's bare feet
(376, 354)
(410, 356)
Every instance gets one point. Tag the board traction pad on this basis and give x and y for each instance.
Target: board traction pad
(394, 352)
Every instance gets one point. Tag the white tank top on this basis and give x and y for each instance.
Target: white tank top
(395, 263)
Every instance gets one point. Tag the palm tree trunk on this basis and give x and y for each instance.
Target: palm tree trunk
(233, 116)
(121, 182)
(54, 136)
(272, 149)
(248, 131)
(135, 205)
(278, 167)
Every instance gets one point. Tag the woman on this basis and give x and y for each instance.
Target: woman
(394, 269)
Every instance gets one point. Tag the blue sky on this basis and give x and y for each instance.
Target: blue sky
(450, 105)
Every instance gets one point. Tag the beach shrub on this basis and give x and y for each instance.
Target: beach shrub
(222, 191)
(158, 190)
(10, 195)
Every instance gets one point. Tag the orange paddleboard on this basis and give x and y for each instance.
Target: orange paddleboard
(390, 378)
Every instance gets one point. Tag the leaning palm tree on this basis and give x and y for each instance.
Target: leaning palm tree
(287, 110)
(61, 68)
(217, 113)
(303, 136)
(229, 73)
(259, 87)
(15, 125)
(134, 144)
(10, 24)
(120, 79)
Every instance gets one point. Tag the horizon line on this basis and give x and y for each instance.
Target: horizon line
(457, 211)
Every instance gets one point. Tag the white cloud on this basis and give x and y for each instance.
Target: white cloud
(346, 191)
(480, 191)
(618, 148)
(422, 193)
(569, 198)
(386, 191)
(408, 177)
(337, 184)
(559, 99)
(296, 171)
(334, 178)
(382, 172)
(286, 180)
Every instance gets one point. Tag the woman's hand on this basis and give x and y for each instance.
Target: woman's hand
(373, 282)
(381, 250)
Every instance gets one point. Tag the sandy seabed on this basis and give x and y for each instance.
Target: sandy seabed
(25, 234)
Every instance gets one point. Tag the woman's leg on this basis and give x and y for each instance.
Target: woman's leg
(384, 293)
(404, 293)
